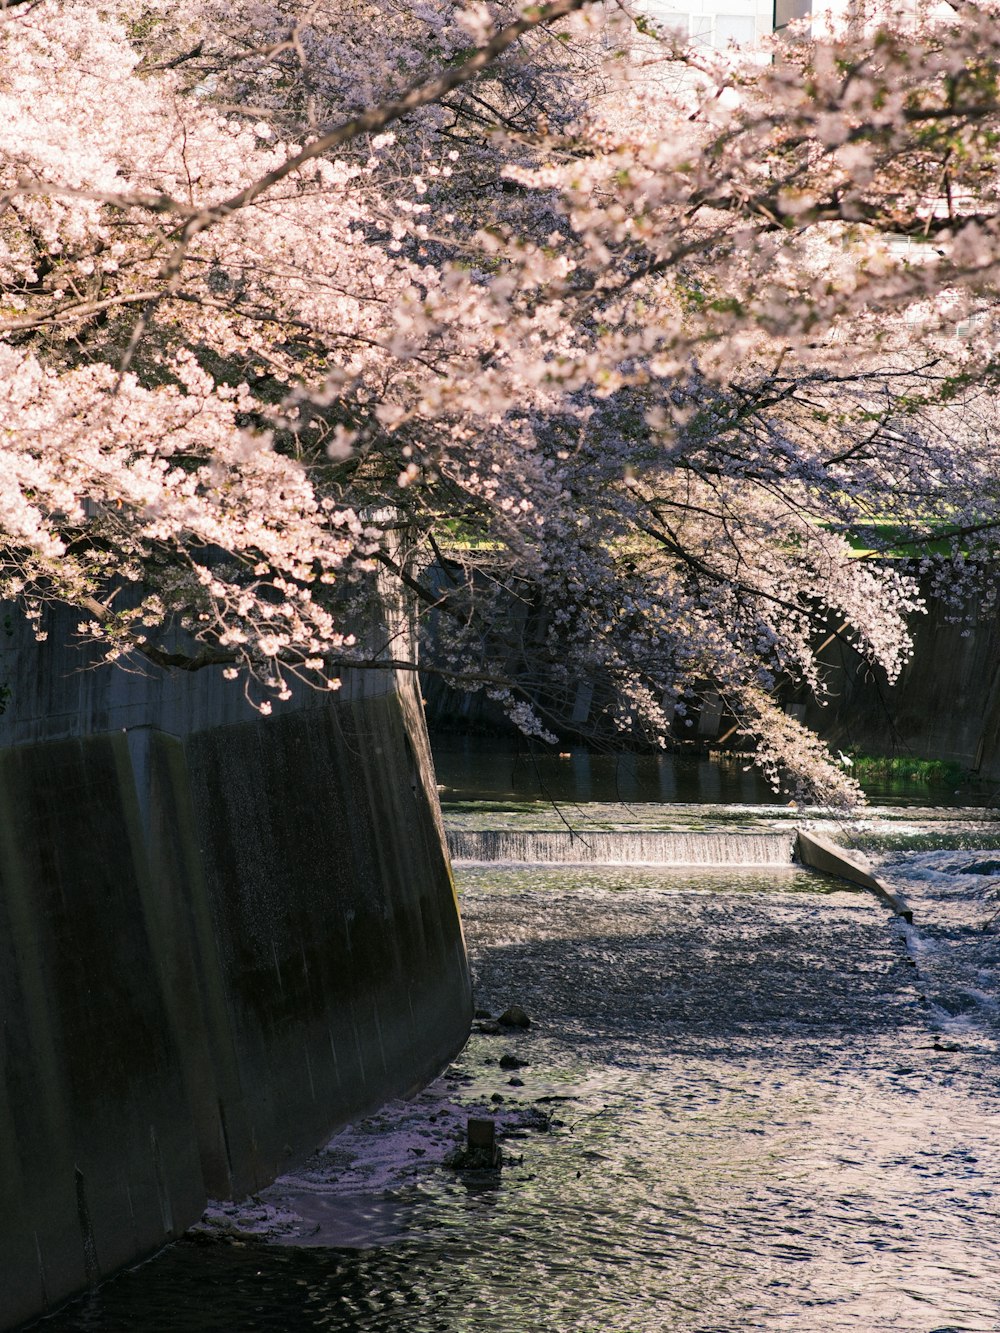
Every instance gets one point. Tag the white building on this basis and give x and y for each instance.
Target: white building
(719, 24)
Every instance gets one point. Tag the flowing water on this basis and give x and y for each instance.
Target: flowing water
(748, 1100)
(623, 847)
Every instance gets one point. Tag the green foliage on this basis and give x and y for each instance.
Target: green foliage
(908, 768)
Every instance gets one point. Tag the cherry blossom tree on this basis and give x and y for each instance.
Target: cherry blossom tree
(607, 354)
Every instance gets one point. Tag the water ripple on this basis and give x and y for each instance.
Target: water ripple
(757, 1127)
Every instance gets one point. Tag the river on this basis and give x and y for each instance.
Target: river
(748, 1100)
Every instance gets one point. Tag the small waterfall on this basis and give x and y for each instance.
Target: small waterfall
(631, 847)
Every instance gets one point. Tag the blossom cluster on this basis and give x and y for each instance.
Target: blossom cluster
(626, 364)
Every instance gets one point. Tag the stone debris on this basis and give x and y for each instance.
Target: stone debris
(514, 1017)
(247, 1220)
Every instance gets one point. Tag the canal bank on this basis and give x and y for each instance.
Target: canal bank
(222, 935)
(746, 1100)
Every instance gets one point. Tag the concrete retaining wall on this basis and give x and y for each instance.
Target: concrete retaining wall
(220, 939)
(945, 705)
(820, 853)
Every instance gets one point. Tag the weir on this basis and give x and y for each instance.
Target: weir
(639, 847)
(645, 846)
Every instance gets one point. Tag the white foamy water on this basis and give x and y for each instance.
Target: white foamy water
(630, 847)
(955, 936)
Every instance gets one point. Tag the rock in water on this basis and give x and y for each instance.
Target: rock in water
(515, 1017)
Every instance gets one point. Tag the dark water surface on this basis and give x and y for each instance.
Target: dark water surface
(742, 1107)
(479, 769)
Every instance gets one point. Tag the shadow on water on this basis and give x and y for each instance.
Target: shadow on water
(775, 985)
(242, 1289)
(621, 961)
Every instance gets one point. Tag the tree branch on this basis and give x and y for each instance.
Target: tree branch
(419, 94)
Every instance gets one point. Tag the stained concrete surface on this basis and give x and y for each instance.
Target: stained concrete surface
(222, 936)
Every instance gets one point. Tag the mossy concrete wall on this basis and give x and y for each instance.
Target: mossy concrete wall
(219, 941)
